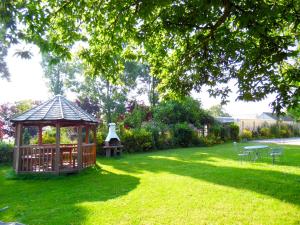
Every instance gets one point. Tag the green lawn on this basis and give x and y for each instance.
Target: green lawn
(181, 186)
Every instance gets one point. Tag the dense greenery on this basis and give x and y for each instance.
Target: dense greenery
(217, 111)
(280, 130)
(59, 75)
(181, 186)
(169, 124)
(6, 150)
(187, 44)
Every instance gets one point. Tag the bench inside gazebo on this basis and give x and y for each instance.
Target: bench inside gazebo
(56, 158)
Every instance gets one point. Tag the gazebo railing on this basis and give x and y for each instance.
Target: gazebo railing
(88, 155)
(68, 156)
(35, 158)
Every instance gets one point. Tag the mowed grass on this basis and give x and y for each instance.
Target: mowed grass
(180, 186)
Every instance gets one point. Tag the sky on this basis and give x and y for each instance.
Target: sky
(27, 82)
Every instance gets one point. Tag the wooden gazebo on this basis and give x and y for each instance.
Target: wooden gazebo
(55, 158)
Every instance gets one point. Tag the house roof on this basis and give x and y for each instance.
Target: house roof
(225, 119)
(56, 109)
(275, 117)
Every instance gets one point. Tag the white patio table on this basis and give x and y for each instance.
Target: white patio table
(256, 149)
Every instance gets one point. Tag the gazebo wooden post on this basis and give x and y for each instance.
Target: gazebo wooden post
(79, 147)
(95, 133)
(95, 142)
(40, 140)
(18, 143)
(57, 149)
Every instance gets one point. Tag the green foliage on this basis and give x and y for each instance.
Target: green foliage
(217, 110)
(49, 136)
(26, 137)
(60, 74)
(186, 110)
(215, 130)
(6, 152)
(183, 134)
(100, 138)
(136, 117)
(246, 134)
(137, 140)
(174, 123)
(294, 112)
(187, 44)
(210, 140)
(274, 129)
(265, 132)
(234, 132)
(6, 146)
(225, 132)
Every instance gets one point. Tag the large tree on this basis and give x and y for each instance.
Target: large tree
(187, 44)
(59, 74)
(99, 96)
(218, 110)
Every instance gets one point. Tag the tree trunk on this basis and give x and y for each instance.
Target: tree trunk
(108, 102)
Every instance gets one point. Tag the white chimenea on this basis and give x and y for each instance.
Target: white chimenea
(112, 145)
(112, 135)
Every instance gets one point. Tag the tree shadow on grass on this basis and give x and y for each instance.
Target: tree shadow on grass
(279, 185)
(290, 157)
(56, 200)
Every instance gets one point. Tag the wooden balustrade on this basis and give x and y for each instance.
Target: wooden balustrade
(88, 155)
(35, 158)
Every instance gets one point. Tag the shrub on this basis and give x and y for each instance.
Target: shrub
(100, 138)
(49, 137)
(128, 141)
(225, 132)
(210, 140)
(284, 133)
(6, 152)
(265, 132)
(274, 129)
(143, 139)
(182, 134)
(135, 118)
(165, 140)
(155, 131)
(246, 134)
(196, 140)
(137, 140)
(215, 130)
(234, 132)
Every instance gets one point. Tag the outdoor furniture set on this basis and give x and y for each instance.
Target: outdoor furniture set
(257, 152)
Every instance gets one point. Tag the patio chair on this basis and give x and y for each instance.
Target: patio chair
(276, 152)
(242, 154)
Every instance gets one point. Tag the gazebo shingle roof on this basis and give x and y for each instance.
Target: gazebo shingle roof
(57, 108)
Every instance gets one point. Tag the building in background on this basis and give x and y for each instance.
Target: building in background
(252, 122)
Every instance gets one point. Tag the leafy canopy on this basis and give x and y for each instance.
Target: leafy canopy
(187, 44)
